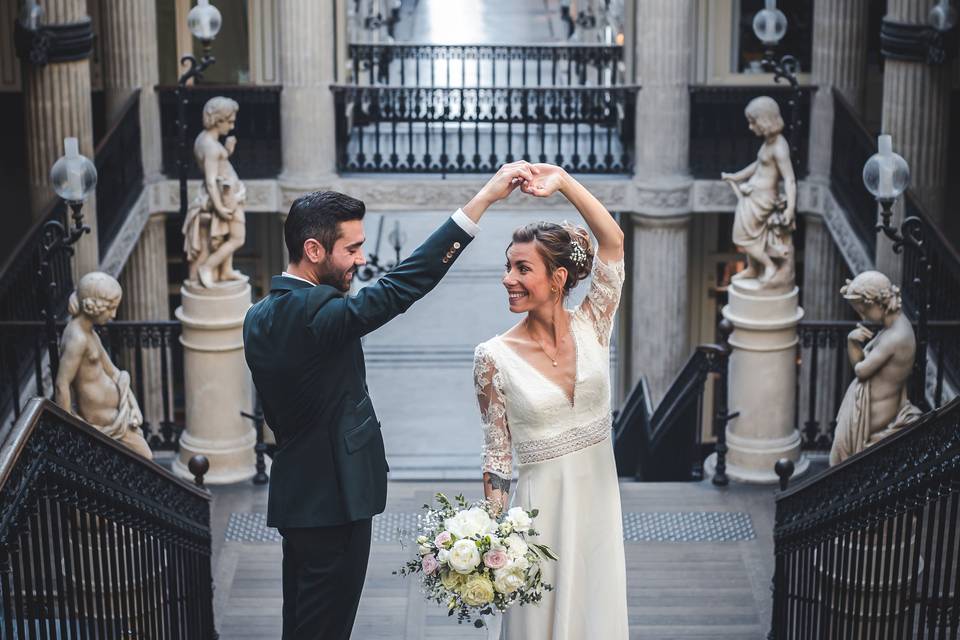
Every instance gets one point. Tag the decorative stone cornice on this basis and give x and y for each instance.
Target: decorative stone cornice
(916, 43)
(54, 42)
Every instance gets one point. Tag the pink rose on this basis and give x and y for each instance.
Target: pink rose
(443, 540)
(429, 564)
(495, 559)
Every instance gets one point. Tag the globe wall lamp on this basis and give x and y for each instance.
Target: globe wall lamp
(770, 25)
(204, 22)
(74, 178)
(886, 175)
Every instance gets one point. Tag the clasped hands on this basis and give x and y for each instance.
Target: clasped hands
(539, 180)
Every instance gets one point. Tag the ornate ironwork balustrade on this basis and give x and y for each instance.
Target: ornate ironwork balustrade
(259, 149)
(475, 65)
(868, 549)
(824, 373)
(96, 542)
(474, 130)
(853, 145)
(119, 172)
(150, 351)
(719, 137)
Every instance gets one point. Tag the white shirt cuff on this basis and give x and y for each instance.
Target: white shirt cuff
(465, 223)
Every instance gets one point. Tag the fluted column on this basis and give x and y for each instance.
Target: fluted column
(661, 224)
(130, 62)
(839, 62)
(57, 106)
(308, 67)
(144, 283)
(659, 343)
(916, 112)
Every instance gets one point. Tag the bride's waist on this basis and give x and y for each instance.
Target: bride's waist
(533, 450)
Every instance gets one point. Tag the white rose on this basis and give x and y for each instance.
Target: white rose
(443, 555)
(518, 517)
(469, 523)
(520, 563)
(424, 549)
(508, 580)
(516, 545)
(464, 556)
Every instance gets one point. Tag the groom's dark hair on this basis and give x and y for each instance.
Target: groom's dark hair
(318, 215)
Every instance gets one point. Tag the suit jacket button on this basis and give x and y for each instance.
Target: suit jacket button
(446, 260)
(449, 255)
(456, 245)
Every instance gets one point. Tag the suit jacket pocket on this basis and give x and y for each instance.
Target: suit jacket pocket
(358, 437)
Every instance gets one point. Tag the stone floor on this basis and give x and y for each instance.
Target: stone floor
(699, 563)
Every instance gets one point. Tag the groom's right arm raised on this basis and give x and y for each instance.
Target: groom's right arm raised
(351, 317)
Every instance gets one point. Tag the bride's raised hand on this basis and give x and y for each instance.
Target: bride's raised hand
(547, 181)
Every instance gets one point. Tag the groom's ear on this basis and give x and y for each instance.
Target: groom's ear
(314, 251)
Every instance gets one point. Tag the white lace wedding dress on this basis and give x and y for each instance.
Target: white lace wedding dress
(566, 470)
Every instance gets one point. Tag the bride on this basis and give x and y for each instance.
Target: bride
(544, 390)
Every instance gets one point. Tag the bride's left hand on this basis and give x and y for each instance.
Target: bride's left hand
(546, 182)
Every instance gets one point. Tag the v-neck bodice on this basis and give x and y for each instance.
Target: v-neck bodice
(523, 408)
(572, 395)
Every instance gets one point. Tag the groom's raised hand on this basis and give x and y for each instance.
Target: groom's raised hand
(502, 184)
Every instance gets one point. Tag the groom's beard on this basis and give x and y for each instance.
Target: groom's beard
(334, 277)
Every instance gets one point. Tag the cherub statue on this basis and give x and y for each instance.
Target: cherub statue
(764, 220)
(87, 376)
(876, 403)
(215, 226)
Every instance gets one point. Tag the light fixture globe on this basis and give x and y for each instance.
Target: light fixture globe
(73, 176)
(886, 175)
(942, 16)
(204, 21)
(770, 24)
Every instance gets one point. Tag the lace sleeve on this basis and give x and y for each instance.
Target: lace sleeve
(602, 300)
(497, 447)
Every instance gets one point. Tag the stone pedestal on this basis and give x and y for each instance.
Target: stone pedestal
(762, 383)
(217, 382)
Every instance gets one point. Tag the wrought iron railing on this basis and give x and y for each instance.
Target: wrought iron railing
(476, 65)
(474, 130)
(868, 549)
(150, 351)
(119, 172)
(665, 444)
(719, 137)
(824, 373)
(259, 151)
(96, 542)
(853, 145)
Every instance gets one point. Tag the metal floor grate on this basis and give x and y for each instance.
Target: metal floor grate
(690, 526)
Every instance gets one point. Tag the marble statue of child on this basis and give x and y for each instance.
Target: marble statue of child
(215, 226)
(875, 404)
(764, 221)
(87, 377)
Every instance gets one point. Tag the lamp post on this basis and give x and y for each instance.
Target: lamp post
(204, 22)
(770, 25)
(886, 176)
(74, 178)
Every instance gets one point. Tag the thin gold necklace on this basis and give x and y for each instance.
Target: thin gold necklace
(553, 358)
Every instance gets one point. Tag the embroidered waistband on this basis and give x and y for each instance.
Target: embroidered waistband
(563, 443)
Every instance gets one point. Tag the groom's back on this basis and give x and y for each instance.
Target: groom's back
(329, 467)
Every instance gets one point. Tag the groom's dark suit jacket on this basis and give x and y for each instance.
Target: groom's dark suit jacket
(302, 344)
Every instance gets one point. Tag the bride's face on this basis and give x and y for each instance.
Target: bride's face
(527, 279)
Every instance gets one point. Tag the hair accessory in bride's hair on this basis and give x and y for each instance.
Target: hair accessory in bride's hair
(577, 254)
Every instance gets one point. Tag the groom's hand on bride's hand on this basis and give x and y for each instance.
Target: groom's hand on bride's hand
(508, 177)
(547, 181)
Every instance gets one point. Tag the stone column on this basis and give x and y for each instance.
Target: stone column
(217, 380)
(130, 62)
(663, 66)
(916, 112)
(57, 105)
(144, 282)
(659, 342)
(839, 62)
(308, 67)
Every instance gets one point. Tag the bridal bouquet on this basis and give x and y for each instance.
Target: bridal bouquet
(476, 564)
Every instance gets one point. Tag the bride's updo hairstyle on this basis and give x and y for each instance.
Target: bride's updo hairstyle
(560, 245)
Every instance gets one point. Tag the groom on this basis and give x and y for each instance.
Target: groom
(302, 344)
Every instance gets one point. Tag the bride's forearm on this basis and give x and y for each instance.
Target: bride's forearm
(496, 490)
(604, 227)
